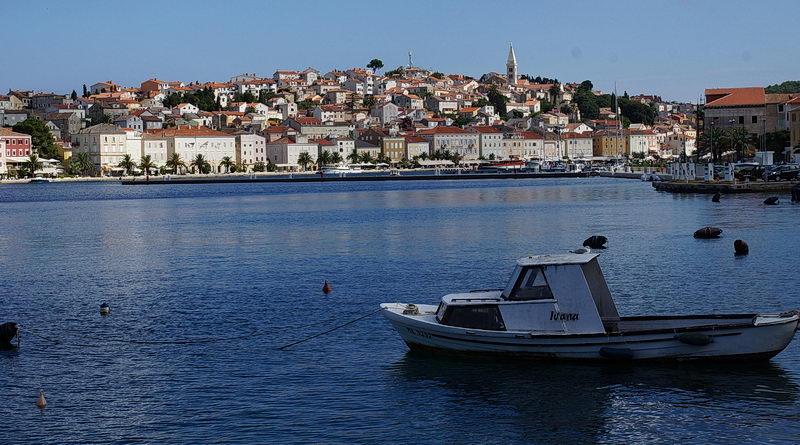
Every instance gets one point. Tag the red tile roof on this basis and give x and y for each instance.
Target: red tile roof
(441, 129)
(728, 97)
(485, 129)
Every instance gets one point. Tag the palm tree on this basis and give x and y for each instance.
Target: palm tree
(227, 162)
(146, 164)
(739, 138)
(175, 162)
(200, 163)
(32, 164)
(324, 159)
(336, 158)
(304, 160)
(366, 157)
(127, 163)
(456, 158)
(81, 163)
(354, 156)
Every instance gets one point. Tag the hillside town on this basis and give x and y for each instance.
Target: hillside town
(403, 118)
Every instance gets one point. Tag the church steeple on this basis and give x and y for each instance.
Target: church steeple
(511, 66)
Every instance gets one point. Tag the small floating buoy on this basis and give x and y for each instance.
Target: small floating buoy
(740, 247)
(716, 197)
(796, 194)
(771, 201)
(595, 242)
(41, 402)
(708, 233)
(105, 309)
(694, 338)
(326, 288)
(616, 353)
(7, 333)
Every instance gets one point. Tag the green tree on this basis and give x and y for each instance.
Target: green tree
(127, 163)
(41, 139)
(739, 139)
(399, 71)
(498, 101)
(375, 64)
(85, 91)
(99, 118)
(369, 100)
(324, 159)
(438, 75)
(147, 164)
(175, 163)
(271, 167)
(366, 158)
(554, 91)
(354, 157)
(790, 86)
(32, 164)
(227, 162)
(74, 95)
(259, 167)
(244, 97)
(265, 95)
(304, 159)
(455, 158)
(336, 158)
(199, 162)
(81, 164)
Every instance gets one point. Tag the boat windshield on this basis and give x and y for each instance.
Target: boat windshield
(532, 285)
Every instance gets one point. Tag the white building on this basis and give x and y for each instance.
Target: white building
(190, 141)
(285, 151)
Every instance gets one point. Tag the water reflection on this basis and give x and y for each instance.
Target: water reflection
(580, 402)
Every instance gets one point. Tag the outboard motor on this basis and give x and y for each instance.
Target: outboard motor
(7, 333)
(595, 242)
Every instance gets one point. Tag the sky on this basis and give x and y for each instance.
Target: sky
(674, 49)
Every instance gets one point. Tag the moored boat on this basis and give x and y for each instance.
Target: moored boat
(560, 307)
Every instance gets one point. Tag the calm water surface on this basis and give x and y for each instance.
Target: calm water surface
(203, 261)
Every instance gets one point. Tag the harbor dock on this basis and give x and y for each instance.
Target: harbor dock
(724, 187)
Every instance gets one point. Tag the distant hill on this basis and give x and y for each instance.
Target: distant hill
(790, 86)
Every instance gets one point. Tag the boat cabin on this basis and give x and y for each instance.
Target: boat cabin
(546, 294)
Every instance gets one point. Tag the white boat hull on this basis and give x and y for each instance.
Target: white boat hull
(731, 337)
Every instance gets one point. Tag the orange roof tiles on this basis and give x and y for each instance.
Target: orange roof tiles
(730, 97)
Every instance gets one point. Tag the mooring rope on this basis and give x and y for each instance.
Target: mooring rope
(193, 341)
(329, 330)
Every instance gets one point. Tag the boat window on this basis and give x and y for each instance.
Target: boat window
(532, 286)
(476, 317)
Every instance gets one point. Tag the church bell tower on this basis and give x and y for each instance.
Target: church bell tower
(511, 66)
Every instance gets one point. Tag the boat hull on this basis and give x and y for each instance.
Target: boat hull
(760, 339)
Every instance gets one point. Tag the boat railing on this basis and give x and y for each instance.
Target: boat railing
(484, 290)
(474, 299)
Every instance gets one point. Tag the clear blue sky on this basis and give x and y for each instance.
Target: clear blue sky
(674, 49)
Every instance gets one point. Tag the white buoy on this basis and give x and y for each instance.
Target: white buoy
(42, 402)
(105, 309)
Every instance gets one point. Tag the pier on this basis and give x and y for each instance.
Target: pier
(724, 187)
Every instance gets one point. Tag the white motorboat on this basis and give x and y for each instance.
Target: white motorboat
(38, 180)
(341, 169)
(560, 307)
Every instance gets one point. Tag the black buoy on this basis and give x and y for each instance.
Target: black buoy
(716, 197)
(740, 247)
(7, 333)
(796, 194)
(595, 242)
(326, 288)
(771, 201)
(708, 232)
(105, 309)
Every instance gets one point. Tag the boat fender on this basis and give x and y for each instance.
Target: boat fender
(105, 309)
(716, 197)
(694, 338)
(771, 201)
(326, 288)
(708, 233)
(740, 247)
(616, 353)
(595, 242)
(411, 309)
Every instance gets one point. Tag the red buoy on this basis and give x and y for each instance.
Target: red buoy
(326, 288)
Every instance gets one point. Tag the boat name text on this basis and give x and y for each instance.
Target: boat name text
(419, 333)
(563, 316)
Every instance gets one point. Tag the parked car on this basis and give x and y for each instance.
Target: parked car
(783, 172)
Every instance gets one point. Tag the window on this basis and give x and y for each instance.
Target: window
(476, 317)
(754, 119)
(532, 285)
